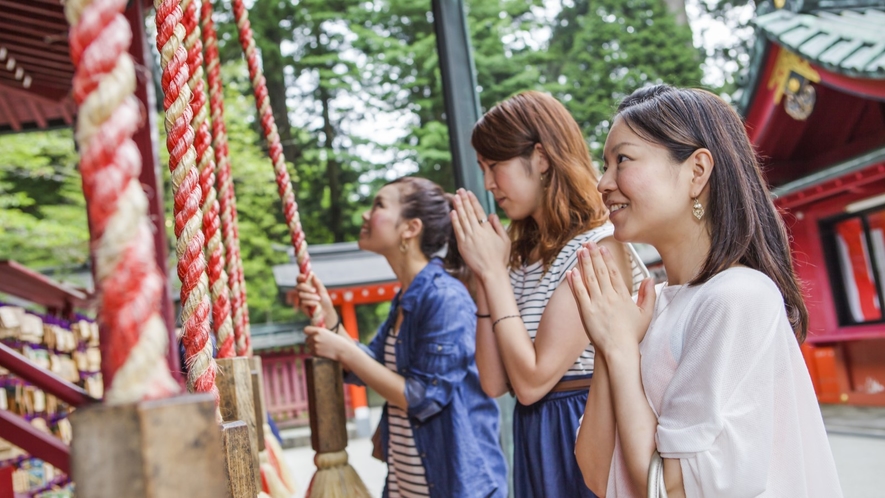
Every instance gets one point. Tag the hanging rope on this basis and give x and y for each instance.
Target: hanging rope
(227, 199)
(218, 279)
(284, 185)
(334, 478)
(128, 280)
(187, 196)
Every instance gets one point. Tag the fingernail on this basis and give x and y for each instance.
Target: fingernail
(603, 250)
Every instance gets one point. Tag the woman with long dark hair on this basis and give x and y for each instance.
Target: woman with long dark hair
(705, 373)
(439, 431)
(529, 336)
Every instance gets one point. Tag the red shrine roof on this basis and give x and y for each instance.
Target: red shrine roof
(35, 66)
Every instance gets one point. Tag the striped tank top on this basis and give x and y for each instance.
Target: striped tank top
(533, 288)
(405, 470)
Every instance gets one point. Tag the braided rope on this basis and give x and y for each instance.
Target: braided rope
(218, 279)
(187, 196)
(284, 185)
(129, 282)
(227, 199)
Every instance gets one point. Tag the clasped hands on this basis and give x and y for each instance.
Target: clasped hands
(321, 341)
(611, 319)
(482, 241)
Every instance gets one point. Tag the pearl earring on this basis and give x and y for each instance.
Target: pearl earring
(697, 209)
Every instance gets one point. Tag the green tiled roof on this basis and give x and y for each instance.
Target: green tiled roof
(850, 42)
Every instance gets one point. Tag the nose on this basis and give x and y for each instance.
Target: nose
(365, 216)
(607, 183)
(488, 180)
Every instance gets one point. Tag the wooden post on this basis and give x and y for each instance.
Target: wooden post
(166, 448)
(258, 400)
(237, 445)
(234, 381)
(328, 427)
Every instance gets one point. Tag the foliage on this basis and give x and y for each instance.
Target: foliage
(602, 50)
(42, 210)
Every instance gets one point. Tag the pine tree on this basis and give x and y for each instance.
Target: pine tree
(602, 50)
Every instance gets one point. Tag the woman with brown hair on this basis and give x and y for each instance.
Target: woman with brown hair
(706, 373)
(529, 338)
(439, 431)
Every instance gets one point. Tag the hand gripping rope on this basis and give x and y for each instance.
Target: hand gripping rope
(334, 477)
(187, 195)
(128, 280)
(218, 279)
(227, 199)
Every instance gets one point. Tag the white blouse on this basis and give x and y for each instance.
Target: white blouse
(723, 373)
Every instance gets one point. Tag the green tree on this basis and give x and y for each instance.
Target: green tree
(42, 209)
(602, 50)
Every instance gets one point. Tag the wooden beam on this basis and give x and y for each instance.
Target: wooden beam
(234, 381)
(10, 116)
(26, 61)
(37, 443)
(236, 445)
(42, 378)
(34, 10)
(33, 33)
(42, 44)
(34, 21)
(37, 113)
(16, 48)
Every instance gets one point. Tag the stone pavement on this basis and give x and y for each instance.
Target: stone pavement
(857, 438)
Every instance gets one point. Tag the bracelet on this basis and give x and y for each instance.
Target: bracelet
(337, 325)
(504, 318)
(478, 315)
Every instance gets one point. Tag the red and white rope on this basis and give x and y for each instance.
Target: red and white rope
(218, 279)
(187, 195)
(227, 199)
(284, 185)
(128, 280)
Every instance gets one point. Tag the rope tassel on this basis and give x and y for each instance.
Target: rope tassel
(128, 280)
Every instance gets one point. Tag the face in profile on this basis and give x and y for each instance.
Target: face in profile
(645, 191)
(381, 228)
(515, 183)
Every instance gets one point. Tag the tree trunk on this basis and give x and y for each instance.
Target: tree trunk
(333, 169)
(677, 8)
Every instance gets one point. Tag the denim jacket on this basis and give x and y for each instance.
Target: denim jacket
(454, 423)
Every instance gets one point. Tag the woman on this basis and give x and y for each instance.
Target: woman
(439, 431)
(529, 335)
(708, 372)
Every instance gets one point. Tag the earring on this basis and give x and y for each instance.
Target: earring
(697, 209)
(403, 247)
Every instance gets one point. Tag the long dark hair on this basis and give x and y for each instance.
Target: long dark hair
(423, 199)
(744, 225)
(571, 202)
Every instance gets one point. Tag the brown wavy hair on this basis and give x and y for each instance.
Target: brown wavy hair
(571, 203)
(744, 225)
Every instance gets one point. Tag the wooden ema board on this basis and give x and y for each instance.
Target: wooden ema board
(325, 393)
(237, 447)
(167, 448)
(258, 400)
(234, 381)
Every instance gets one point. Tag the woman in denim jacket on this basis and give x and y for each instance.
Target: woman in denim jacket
(439, 431)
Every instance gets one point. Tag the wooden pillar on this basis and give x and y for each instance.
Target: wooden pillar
(258, 399)
(234, 381)
(328, 427)
(167, 448)
(236, 446)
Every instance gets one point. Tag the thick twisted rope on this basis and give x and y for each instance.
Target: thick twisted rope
(284, 185)
(128, 280)
(218, 279)
(187, 195)
(227, 199)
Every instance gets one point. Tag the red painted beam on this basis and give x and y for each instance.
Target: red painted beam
(42, 378)
(35, 442)
(151, 178)
(30, 285)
